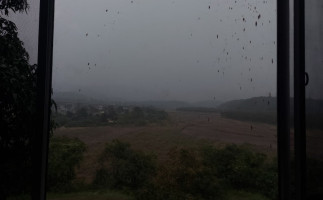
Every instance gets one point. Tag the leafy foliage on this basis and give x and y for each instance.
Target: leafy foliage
(17, 105)
(65, 154)
(183, 176)
(242, 169)
(210, 173)
(124, 168)
(204, 173)
(15, 6)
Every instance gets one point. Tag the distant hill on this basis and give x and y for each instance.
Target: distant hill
(264, 109)
(267, 104)
(157, 104)
(72, 97)
(255, 104)
(207, 104)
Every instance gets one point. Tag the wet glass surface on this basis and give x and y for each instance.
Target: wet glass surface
(186, 88)
(314, 102)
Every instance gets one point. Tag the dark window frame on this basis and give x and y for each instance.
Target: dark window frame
(45, 51)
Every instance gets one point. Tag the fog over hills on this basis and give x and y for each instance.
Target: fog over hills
(254, 104)
(72, 97)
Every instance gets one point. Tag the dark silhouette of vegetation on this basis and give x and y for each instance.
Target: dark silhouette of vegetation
(65, 154)
(205, 173)
(15, 6)
(17, 105)
(123, 168)
(86, 116)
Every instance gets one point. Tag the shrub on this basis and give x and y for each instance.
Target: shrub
(183, 176)
(124, 168)
(65, 154)
(242, 169)
(201, 174)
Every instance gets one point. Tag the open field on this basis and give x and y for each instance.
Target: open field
(104, 195)
(186, 129)
(111, 195)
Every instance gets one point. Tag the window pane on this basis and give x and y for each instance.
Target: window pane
(18, 61)
(314, 98)
(189, 85)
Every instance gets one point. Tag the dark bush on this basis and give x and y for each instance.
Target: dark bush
(183, 176)
(202, 174)
(124, 168)
(65, 154)
(241, 168)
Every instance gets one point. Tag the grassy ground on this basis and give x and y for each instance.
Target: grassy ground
(242, 195)
(185, 130)
(112, 195)
(106, 195)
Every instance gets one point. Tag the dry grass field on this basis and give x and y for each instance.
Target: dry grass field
(185, 129)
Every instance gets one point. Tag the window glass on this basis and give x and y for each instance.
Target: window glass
(314, 97)
(171, 99)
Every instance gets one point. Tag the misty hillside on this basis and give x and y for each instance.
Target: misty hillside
(259, 104)
(72, 97)
(267, 104)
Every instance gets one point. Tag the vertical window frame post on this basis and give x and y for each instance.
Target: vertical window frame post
(283, 99)
(299, 99)
(44, 81)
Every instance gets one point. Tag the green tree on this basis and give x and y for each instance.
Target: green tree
(124, 168)
(17, 104)
(65, 154)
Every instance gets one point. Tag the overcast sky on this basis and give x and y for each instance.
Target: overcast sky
(187, 50)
